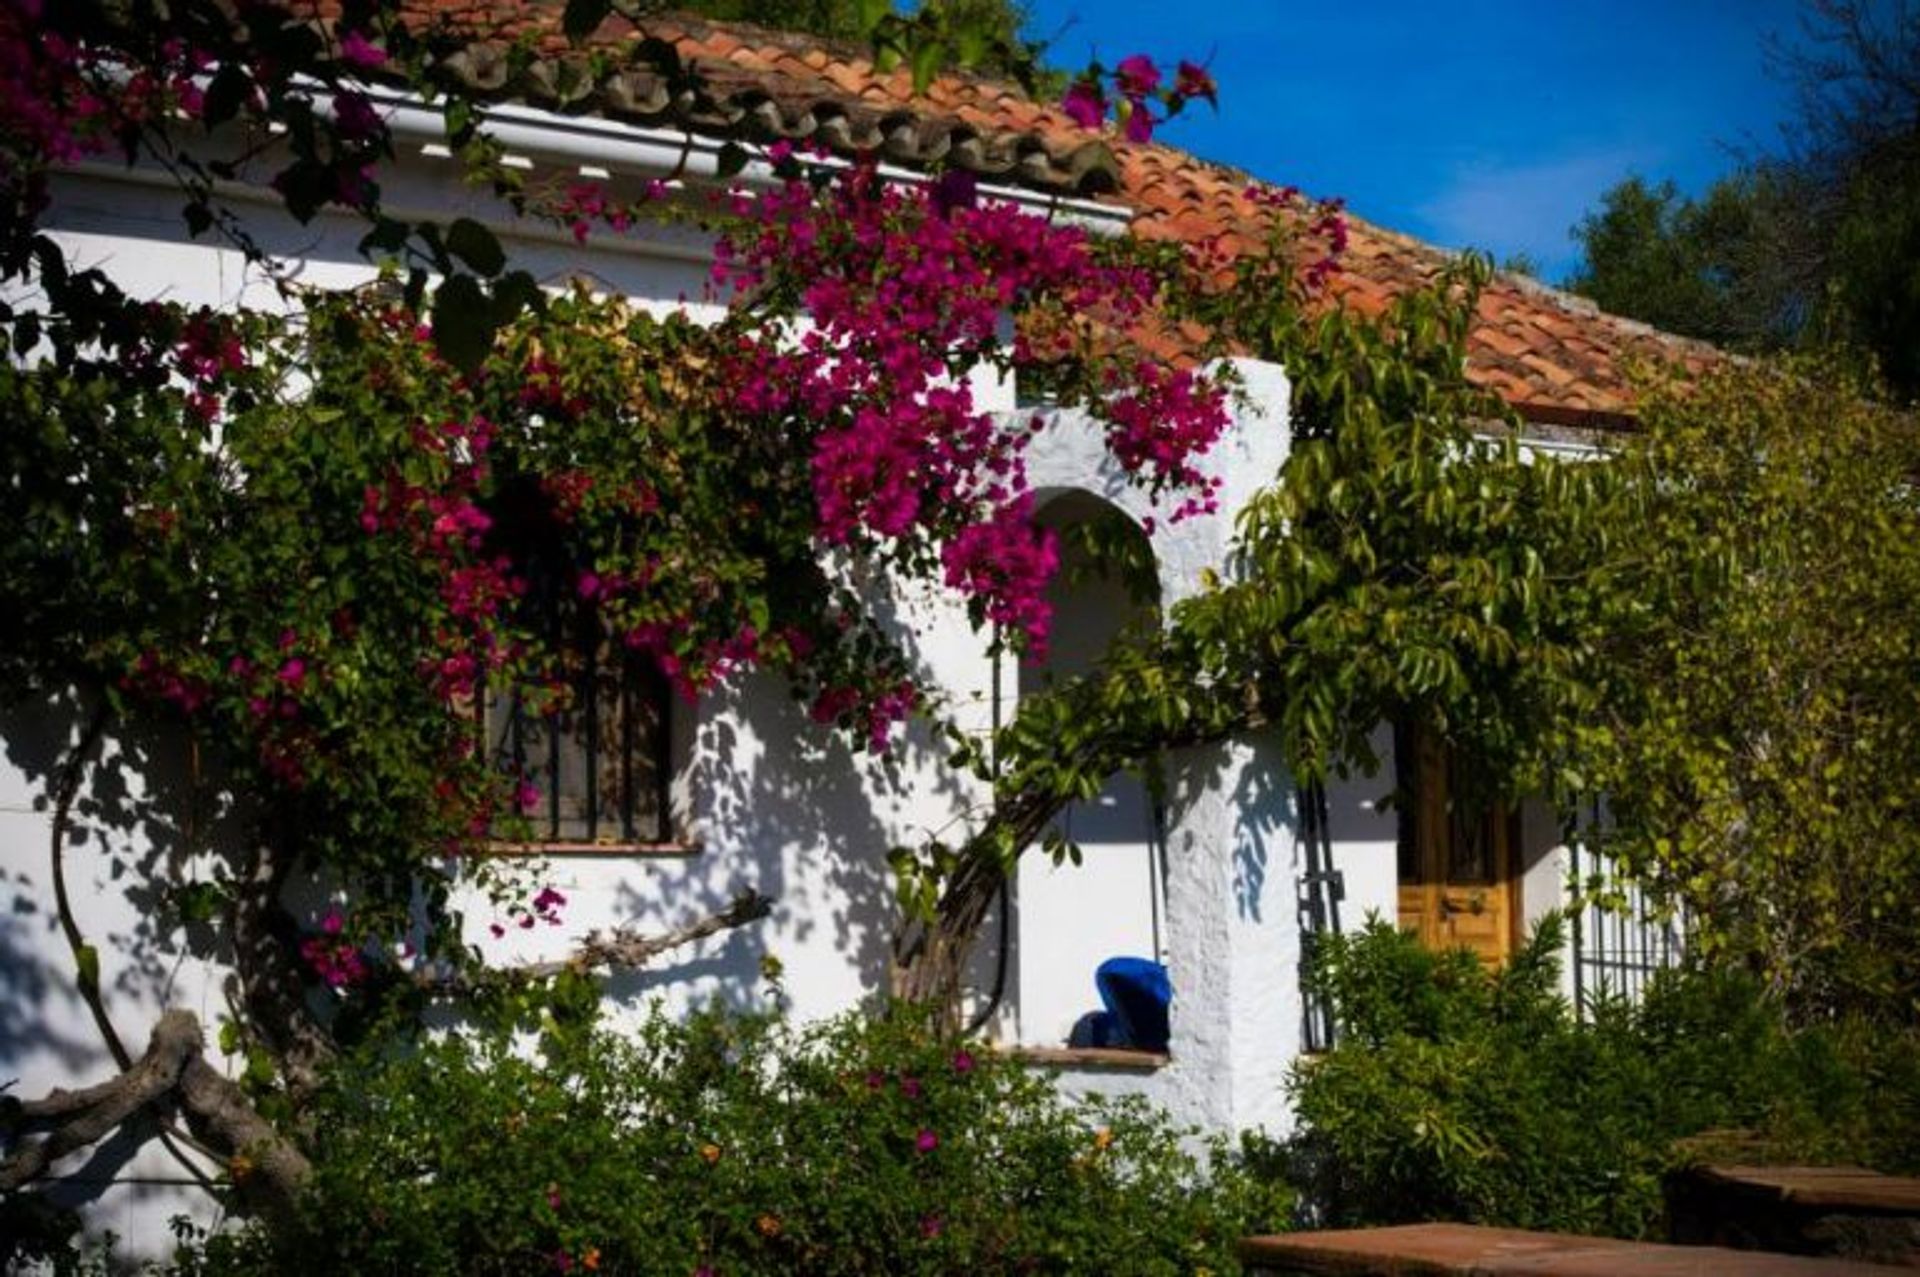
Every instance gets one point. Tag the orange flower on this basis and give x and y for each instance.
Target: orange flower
(1102, 1138)
(769, 1225)
(591, 1259)
(711, 1152)
(239, 1167)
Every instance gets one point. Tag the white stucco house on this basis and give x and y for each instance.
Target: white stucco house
(1223, 884)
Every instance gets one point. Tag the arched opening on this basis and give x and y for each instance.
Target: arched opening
(1069, 919)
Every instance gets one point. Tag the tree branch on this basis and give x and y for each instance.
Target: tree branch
(173, 1072)
(86, 959)
(618, 950)
(267, 1169)
(88, 1116)
(625, 950)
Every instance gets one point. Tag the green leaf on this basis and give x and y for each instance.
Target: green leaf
(731, 159)
(198, 901)
(515, 293)
(970, 42)
(463, 325)
(225, 93)
(477, 246)
(87, 959)
(928, 58)
(388, 235)
(872, 13)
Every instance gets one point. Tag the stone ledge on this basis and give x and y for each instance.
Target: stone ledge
(1804, 1210)
(1466, 1250)
(1089, 1057)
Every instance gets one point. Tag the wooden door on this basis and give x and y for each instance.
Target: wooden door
(1456, 855)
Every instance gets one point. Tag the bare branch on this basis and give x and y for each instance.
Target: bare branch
(265, 1166)
(619, 950)
(626, 950)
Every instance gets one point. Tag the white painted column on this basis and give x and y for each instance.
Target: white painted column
(1234, 935)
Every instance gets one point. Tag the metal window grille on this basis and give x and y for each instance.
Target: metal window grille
(1621, 934)
(599, 751)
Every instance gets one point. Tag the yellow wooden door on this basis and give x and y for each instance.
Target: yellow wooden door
(1456, 856)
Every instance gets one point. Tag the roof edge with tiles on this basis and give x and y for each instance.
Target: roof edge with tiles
(737, 82)
(1556, 359)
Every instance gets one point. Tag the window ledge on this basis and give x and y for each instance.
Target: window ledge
(661, 850)
(1089, 1057)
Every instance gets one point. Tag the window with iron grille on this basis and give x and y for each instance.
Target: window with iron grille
(600, 751)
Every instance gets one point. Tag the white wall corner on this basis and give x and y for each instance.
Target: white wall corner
(1255, 446)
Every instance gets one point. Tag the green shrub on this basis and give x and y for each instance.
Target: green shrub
(1460, 1093)
(734, 1144)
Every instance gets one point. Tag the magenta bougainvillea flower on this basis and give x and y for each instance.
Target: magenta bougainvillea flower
(361, 53)
(1136, 76)
(1140, 121)
(1194, 81)
(1085, 104)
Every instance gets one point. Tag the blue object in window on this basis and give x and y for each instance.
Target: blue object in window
(1095, 1028)
(1137, 994)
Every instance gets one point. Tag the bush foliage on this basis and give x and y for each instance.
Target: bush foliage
(1460, 1093)
(739, 1143)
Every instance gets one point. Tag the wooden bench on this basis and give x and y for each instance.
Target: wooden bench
(1467, 1250)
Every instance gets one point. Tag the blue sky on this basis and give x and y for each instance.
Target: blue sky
(1474, 123)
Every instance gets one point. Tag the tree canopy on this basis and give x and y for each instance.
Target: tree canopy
(1811, 242)
(1703, 268)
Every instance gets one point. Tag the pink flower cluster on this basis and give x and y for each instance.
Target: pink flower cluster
(583, 205)
(906, 290)
(1130, 92)
(274, 691)
(545, 907)
(61, 102)
(209, 351)
(154, 676)
(1160, 424)
(446, 528)
(1007, 562)
(873, 714)
(56, 107)
(1325, 221)
(336, 960)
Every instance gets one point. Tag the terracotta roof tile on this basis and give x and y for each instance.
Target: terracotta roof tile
(1556, 358)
